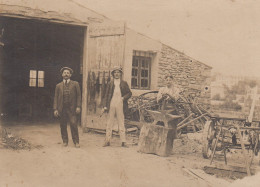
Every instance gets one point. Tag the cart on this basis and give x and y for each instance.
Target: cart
(223, 133)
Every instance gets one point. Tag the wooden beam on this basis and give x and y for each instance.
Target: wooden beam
(251, 114)
(244, 151)
(84, 82)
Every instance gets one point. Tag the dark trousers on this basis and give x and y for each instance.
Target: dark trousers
(69, 117)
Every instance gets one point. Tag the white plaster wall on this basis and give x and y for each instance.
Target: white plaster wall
(139, 42)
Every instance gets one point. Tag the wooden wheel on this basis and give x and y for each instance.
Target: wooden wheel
(207, 138)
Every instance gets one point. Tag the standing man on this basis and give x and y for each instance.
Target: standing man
(115, 102)
(67, 103)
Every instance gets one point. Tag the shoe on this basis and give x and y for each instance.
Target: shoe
(77, 145)
(124, 145)
(106, 144)
(65, 144)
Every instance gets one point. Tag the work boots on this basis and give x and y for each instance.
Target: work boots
(65, 144)
(124, 145)
(106, 144)
(77, 145)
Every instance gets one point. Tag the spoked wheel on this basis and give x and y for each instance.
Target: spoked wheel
(207, 138)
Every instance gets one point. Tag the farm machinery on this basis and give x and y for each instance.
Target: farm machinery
(219, 134)
(160, 125)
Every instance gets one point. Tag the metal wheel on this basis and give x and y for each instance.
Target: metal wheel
(207, 138)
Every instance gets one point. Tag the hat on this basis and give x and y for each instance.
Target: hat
(116, 68)
(64, 68)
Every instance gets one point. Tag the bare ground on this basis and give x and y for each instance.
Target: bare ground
(50, 164)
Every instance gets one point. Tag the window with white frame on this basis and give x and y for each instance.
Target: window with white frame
(141, 70)
(36, 78)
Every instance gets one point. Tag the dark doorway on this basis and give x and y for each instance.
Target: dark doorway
(32, 55)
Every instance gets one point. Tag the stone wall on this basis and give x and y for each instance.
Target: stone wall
(187, 72)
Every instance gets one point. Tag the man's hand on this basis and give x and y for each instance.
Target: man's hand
(56, 113)
(165, 96)
(104, 110)
(77, 110)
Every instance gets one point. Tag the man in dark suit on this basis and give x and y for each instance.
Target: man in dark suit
(67, 105)
(115, 102)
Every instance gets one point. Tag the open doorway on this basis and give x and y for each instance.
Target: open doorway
(31, 58)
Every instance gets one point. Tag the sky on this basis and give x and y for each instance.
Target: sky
(224, 34)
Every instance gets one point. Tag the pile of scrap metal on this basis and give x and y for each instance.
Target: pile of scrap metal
(10, 141)
(188, 106)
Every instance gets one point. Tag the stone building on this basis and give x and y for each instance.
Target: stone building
(39, 38)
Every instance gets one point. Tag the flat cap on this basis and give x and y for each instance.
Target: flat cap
(117, 68)
(66, 68)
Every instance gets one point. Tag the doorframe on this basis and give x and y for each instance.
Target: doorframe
(84, 106)
(84, 26)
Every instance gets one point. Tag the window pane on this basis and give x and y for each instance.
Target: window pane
(146, 73)
(147, 63)
(144, 83)
(142, 73)
(41, 74)
(33, 74)
(134, 82)
(32, 82)
(135, 62)
(136, 72)
(40, 82)
(133, 72)
(143, 63)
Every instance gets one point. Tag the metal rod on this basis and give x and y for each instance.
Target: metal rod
(250, 128)
(184, 120)
(223, 143)
(184, 125)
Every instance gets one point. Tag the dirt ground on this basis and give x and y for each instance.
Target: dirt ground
(94, 165)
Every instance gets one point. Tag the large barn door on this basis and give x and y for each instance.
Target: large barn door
(106, 47)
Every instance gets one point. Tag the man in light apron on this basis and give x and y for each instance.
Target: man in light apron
(115, 102)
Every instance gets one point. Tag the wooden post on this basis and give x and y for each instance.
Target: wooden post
(252, 109)
(1, 134)
(215, 145)
(84, 82)
(244, 151)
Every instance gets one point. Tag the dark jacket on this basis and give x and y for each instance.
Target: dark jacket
(125, 93)
(75, 96)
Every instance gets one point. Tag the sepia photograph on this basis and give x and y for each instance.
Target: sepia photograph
(129, 93)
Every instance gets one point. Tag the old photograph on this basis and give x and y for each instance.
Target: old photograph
(129, 93)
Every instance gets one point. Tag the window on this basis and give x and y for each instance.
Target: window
(33, 78)
(40, 78)
(141, 70)
(36, 78)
